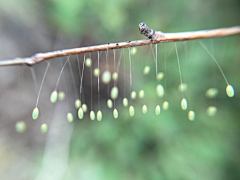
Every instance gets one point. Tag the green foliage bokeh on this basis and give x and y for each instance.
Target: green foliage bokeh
(167, 146)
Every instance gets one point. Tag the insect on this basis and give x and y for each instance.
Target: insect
(144, 29)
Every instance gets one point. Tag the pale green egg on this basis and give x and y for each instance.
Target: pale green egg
(109, 103)
(191, 115)
(160, 90)
(115, 76)
(125, 102)
(77, 103)
(70, 117)
(20, 126)
(106, 77)
(80, 113)
(160, 76)
(84, 108)
(35, 113)
(115, 113)
(88, 62)
(61, 95)
(141, 94)
(96, 72)
(157, 110)
(230, 91)
(133, 51)
(44, 128)
(165, 105)
(144, 109)
(211, 93)
(146, 70)
(99, 115)
(184, 104)
(131, 111)
(53, 97)
(211, 111)
(92, 115)
(133, 95)
(182, 87)
(114, 92)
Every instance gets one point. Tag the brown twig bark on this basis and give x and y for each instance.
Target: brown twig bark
(154, 37)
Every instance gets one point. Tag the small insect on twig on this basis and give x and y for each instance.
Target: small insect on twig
(150, 33)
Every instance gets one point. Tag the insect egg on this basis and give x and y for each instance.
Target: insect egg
(20, 126)
(77, 103)
(160, 76)
(35, 113)
(114, 93)
(125, 102)
(230, 91)
(144, 109)
(211, 111)
(84, 108)
(165, 105)
(106, 77)
(115, 76)
(133, 95)
(141, 94)
(99, 115)
(191, 115)
(160, 90)
(184, 104)
(44, 128)
(131, 111)
(115, 113)
(109, 103)
(96, 72)
(211, 92)
(61, 95)
(88, 62)
(157, 110)
(92, 115)
(133, 51)
(146, 70)
(70, 117)
(182, 87)
(80, 113)
(53, 97)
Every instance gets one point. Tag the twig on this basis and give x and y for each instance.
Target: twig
(160, 37)
(154, 37)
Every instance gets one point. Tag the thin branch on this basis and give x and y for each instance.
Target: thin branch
(154, 37)
(160, 37)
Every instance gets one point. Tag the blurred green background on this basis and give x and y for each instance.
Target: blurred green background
(168, 146)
